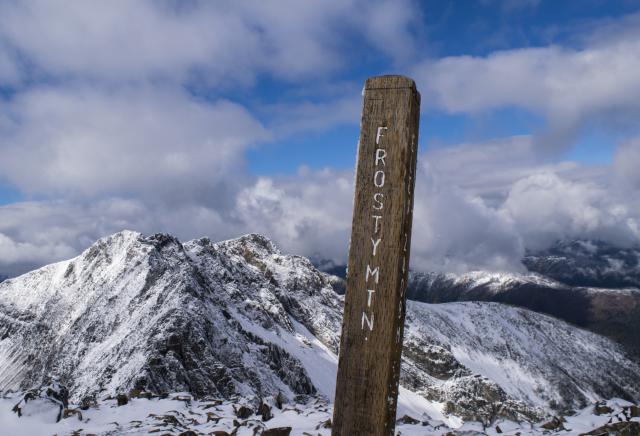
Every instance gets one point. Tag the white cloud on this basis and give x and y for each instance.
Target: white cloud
(456, 231)
(569, 87)
(309, 214)
(221, 43)
(625, 166)
(477, 206)
(489, 168)
(40, 232)
(84, 141)
(545, 208)
(459, 225)
(103, 132)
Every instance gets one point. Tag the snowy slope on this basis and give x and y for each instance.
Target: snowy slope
(528, 354)
(591, 284)
(614, 313)
(240, 319)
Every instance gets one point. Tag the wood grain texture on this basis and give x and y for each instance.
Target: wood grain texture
(373, 325)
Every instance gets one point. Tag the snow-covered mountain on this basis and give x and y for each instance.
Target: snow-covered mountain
(587, 263)
(240, 319)
(614, 313)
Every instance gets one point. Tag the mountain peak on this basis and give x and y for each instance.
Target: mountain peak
(252, 241)
(237, 318)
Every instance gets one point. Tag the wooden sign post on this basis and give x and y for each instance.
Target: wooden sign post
(373, 324)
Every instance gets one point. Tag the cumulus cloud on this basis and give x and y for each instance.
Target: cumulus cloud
(309, 214)
(139, 141)
(455, 231)
(545, 208)
(40, 232)
(459, 225)
(488, 169)
(115, 120)
(625, 166)
(566, 86)
(217, 42)
(478, 207)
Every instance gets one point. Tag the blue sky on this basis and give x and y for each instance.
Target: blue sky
(450, 28)
(225, 118)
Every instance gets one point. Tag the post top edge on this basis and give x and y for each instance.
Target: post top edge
(389, 81)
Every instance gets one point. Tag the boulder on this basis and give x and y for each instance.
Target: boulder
(631, 428)
(278, 431)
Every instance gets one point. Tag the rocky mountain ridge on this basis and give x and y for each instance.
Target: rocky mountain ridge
(591, 284)
(614, 313)
(240, 319)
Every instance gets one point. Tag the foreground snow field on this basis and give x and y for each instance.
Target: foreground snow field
(179, 413)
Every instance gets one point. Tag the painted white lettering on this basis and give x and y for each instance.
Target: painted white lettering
(377, 197)
(380, 134)
(378, 179)
(366, 319)
(370, 291)
(373, 273)
(375, 244)
(377, 218)
(381, 153)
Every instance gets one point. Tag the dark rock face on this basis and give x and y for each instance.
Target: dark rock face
(619, 429)
(122, 399)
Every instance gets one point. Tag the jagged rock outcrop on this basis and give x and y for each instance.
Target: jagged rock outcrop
(238, 318)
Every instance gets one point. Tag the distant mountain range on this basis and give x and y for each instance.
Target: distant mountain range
(239, 318)
(587, 264)
(590, 284)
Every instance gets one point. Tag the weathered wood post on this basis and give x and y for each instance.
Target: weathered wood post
(373, 324)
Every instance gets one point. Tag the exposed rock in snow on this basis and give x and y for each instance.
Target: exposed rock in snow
(521, 355)
(47, 402)
(179, 414)
(239, 319)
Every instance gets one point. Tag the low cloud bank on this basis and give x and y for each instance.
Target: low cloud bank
(471, 211)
